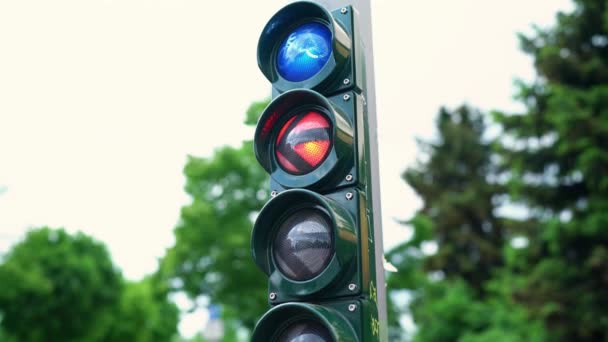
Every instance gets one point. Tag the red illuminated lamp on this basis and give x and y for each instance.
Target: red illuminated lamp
(303, 142)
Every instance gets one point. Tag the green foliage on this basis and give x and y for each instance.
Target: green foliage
(57, 287)
(4, 336)
(449, 289)
(62, 287)
(451, 312)
(445, 312)
(552, 159)
(211, 256)
(408, 257)
(561, 153)
(144, 314)
(453, 183)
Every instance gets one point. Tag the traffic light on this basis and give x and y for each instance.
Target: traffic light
(315, 238)
(305, 46)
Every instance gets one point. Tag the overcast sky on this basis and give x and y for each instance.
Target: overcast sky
(101, 101)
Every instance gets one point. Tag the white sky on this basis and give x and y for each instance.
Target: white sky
(101, 102)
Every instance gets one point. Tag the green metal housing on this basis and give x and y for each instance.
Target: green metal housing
(344, 260)
(337, 91)
(351, 320)
(340, 110)
(351, 270)
(339, 67)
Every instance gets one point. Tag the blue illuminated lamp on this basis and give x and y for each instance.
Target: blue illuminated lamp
(304, 46)
(304, 52)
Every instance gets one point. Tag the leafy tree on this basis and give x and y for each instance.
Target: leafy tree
(4, 336)
(57, 287)
(144, 314)
(557, 153)
(211, 256)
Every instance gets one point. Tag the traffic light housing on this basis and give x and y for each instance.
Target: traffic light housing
(337, 168)
(346, 320)
(326, 253)
(334, 33)
(315, 238)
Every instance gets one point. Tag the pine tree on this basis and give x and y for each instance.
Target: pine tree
(557, 156)
(449, 288)
(458, 199)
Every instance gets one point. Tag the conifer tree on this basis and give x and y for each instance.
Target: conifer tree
(458, 199)
(557, 154)
(449, 288)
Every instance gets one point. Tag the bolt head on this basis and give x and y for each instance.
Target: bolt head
(349, 178)
(349, 196)
(273, 193)
(346, 97)
(272, 296)
(352, 307)
(352, 287)
(343, 10)
(346, 81)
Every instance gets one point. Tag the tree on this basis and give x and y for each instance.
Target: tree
(458, 292)
(449, 288)
(144, 314)
(57, 287)
(557, 155)
(459, 200)
(211, 256)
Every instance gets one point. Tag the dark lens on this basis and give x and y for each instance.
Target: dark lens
(303, 245)
(306, 331)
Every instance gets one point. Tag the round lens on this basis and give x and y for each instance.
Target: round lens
(303, 143)
(303, 245)
(306, 331)
(304, 52)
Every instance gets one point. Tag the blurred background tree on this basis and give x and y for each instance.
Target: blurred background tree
(459, 200)
(144, 314)
(558, 156)
(58, 287)
(540, 274)
(64, 287)
(211, 256)
(447, 266)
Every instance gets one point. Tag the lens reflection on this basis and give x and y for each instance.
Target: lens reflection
(304, 52)
(303, 245)
(306, 331)
(303, 143)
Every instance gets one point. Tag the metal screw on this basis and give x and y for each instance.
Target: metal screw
(349, 196)
(273, 193)
(346, 81)
(352, 287)
(343, 10)
(352, 307)
(349, 178)
(272, 296)
(346, 97)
